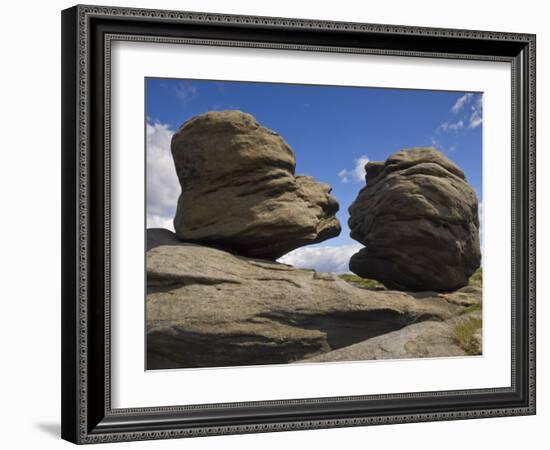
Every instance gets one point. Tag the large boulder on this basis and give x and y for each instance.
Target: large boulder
(239, 191)
(207, 307)
(418, 219)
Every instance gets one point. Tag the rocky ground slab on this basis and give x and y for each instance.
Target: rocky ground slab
(428, 339)
(207, 307)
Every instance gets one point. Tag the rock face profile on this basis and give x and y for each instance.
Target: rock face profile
(239, 191)
(207, 307)
(418, 220)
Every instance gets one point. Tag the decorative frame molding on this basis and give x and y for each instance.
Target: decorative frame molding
(87, 34)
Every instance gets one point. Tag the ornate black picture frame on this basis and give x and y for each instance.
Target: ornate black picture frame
(87, 34)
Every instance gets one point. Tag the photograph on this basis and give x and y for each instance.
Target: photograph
(278, 222)
(301, 223)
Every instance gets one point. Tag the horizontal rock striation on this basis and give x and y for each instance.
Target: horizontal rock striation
(210, 308)
(418, 220)
(239, 191)
(428, 339)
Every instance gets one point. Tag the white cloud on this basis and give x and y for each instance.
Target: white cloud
(357, 173)
(475, 118)
(343, 174)
(452, 126)
(185, 91)
(359, 170)
(439, 146)
(162, 183)
(467, 115)
(322, 259)
(154, 221)
(459, 104)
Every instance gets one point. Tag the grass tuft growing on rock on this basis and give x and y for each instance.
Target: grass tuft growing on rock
(464, 334)
(361, 282)
(471, 308)
(477, 278)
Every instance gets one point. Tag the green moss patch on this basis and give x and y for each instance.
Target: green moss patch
(477, 278)
(361, 282)
(463, 334)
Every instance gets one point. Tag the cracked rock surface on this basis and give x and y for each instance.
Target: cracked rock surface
(428, 339)
(418, 220)
(207, 307)
(239, 190)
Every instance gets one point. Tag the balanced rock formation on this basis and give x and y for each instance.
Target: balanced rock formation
(207, 307)
(239, 191)
(418, 220)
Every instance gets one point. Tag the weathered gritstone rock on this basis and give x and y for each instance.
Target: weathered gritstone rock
(427, 339)
(418, 220)
(207, 307)
(239, 191)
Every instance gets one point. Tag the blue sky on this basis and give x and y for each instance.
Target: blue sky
(333, 131)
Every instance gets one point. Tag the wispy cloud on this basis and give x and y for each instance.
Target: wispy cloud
(440, 146)
(185, 91)
(154, 221)
(475, 120)
(218, 107)
(323, 259)
(356, 174)
(461, 102)
(343, 174)
(471, 118)
(452, 126)
(475, 117)
(162, 183)
(465, 114)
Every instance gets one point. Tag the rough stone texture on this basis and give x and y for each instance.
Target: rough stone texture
(207, 307)
(418, 220)
(476, 341)
(239, 191)
(160, 236)
(427, 339)
(420, 340)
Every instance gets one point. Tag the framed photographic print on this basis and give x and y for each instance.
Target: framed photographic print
(279, 224)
